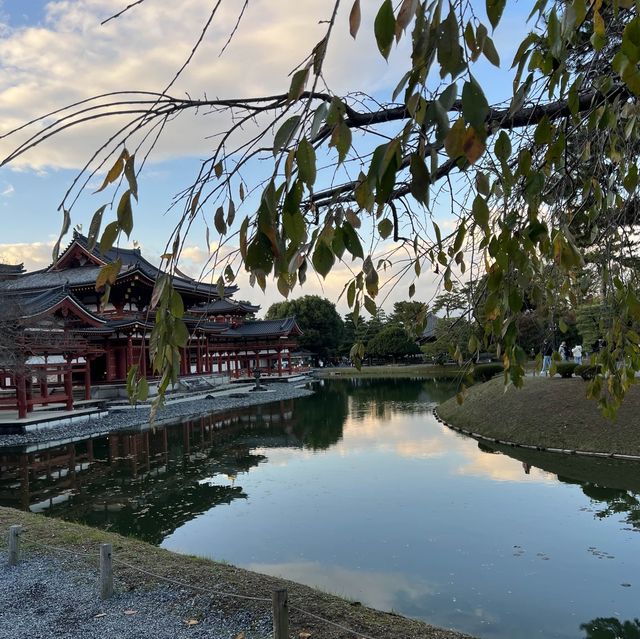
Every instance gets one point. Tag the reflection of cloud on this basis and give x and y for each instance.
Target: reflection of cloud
(380, 590)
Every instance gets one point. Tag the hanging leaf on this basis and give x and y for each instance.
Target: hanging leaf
(114, 172)
(125, 213)
(108, 274)
(109, 236)
(385, 228)
(94, 228)
(218, 221)
(66, 223)
(298, 81)
(130, 175)
(385, 28)
(231, 214)
(341, 139)
(323, 259)
(494, 11)
(218, 169)
(355, 18)
(475, 107)
(405, 15)
(284, 134)
(306, 157)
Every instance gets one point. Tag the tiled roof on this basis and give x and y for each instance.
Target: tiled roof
(224, 307)
(11, 269)
(265, 328)
(133, 259)
(36, 303)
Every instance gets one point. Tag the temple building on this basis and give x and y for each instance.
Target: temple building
(56, 335)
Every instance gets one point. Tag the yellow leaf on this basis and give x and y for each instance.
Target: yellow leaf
(191, 622)
(472, 146)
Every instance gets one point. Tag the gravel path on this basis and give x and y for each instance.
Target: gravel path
(125, 419)
(45, 597)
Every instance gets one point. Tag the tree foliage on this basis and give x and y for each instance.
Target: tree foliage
(321, 324)
(392, 342)
(533, 182)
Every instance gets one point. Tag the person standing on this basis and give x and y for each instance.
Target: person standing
(547, 352)
(577, 354)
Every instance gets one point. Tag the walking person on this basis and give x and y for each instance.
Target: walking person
(547, 352)
(577, 354)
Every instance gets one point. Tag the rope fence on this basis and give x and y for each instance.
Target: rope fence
(105, 558)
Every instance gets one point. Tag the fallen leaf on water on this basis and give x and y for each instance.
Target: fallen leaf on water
(191, 622)
(304, 635)
(240, 635)
(130, 612)
(100, 614)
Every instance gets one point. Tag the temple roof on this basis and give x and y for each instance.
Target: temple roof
(34, 304)
(132, 263)
(11, 269)
(224, 307)
(264, 328)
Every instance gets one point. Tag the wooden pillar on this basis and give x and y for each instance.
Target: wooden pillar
(44, 380)
(68, 385)
(279, 363)
(198, 355)
(130, 361)
(143, 356)
(87, 378)
(219, 362)
(289, 361)
(28, 384)
(21, 395)
(122, 373)
(111, 363)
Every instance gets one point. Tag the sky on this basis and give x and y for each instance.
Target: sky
(53, 53)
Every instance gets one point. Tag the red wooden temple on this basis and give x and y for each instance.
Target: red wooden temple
(67, 338)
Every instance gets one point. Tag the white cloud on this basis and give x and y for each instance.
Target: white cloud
(34, 255)
(8, 190)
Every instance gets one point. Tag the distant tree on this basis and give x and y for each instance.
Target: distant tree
(611, 628)
(317, 317)
(392, 342)
(451, 302)
(592, 322)
(410, 315)
(12, 355)
(532, 330)
(452, 338)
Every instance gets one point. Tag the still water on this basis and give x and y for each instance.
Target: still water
(359, 491)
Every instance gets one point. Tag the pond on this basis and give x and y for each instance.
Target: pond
(358, 490)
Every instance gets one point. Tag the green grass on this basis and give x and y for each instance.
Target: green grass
(389, 370)
(547, 412)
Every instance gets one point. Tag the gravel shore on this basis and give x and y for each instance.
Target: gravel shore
(44, 597)
(172, 412)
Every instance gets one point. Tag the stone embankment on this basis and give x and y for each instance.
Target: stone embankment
(231, 399)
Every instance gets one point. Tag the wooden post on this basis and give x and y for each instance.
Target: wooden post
(106, 571)
(14, 545)
(280, 614)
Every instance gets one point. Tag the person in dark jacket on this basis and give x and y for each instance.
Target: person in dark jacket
(547, 352)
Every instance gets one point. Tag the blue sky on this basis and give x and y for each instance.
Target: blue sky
(52, 53)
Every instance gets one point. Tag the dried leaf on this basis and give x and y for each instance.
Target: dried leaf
(100, 614)
(130, 612)
(355, 18)
(191, 622)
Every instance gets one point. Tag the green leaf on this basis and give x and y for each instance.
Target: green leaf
(480, 212)
(176, 305)
(125, 213)
(370, 305)
(130, 174)
(180, 333)
(341, 139)
(94, 228)
(502, 148)
(475, 107)
(108, 274)
(231, 214)
(298, 81)
(323, 259)
(385, 228)
(109, 236)
(494, 11)
(318, 118)
(352, 241)
(420, 178)
(294, 226)
(284, 134)
(306, 157)
(218, 221)
(490, 52)
(384, 28)
(114, 172)
(244, 227)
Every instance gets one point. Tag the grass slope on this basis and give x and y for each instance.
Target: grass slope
(207, 574)
(547, 412)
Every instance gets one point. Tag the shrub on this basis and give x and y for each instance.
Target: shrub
(484, 372)
(565, 369)
(587, 371)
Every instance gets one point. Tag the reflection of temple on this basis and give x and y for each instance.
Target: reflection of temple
(146, 483)
(70, 337)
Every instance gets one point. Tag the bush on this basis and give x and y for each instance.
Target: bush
(484, 372)
(588, 371)
(566, 369)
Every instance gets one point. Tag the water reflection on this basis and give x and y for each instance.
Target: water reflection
(611, 628)
(359, 490)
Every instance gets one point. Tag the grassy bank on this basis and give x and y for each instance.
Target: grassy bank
(390, 370)
(547, 412)
(203, 573)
